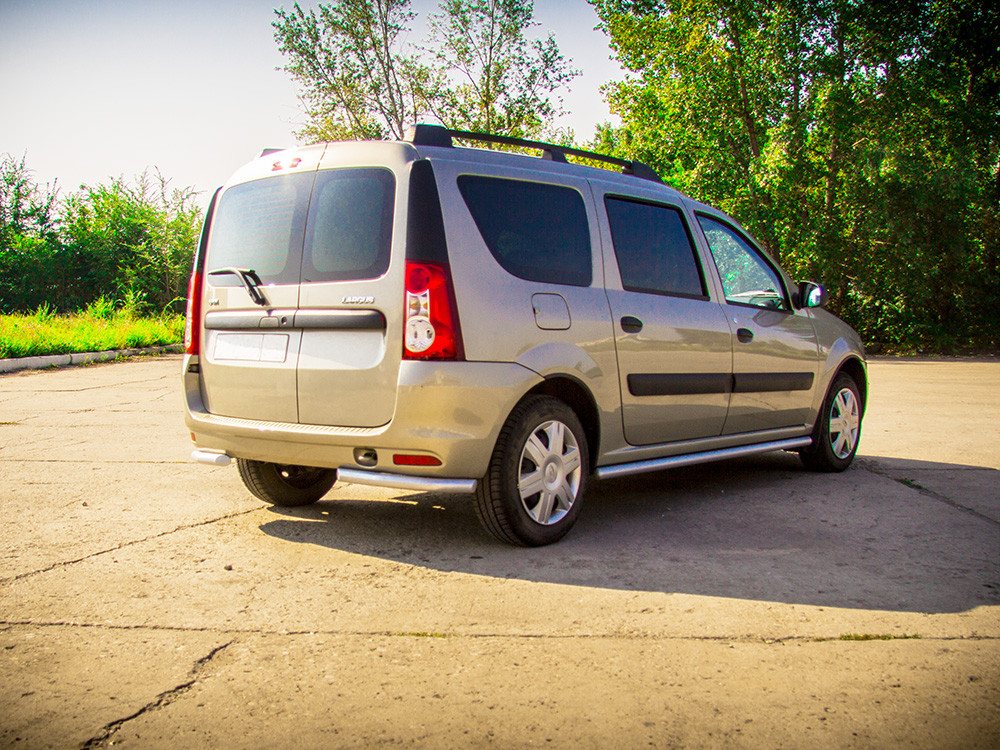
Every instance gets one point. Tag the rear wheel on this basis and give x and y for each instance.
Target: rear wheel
(534, 488)
(838, 428)
(283, 484)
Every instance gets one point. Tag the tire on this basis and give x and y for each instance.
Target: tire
(838, 428)
(533, 491)
(285, 485)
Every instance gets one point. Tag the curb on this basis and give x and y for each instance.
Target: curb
(81, 358)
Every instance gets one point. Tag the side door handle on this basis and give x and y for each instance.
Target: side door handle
(631, 324)
(744, 335)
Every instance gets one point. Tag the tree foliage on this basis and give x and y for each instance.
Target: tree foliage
(358, 79)
(858, 141)
(128, 243)
(490, 77)
(362, 78)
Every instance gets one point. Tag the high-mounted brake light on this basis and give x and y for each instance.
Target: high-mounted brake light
(431, 328)
(192, 323)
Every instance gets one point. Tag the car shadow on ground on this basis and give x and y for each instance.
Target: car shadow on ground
(760, 528)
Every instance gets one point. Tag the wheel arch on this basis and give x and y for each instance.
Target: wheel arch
(577, 397)
(856, 369)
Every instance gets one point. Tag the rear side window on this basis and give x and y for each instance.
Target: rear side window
(260, 225)
(350, 225)
(536, 232)
(654, 249)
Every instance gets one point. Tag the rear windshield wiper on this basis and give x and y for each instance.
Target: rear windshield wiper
(251, 282)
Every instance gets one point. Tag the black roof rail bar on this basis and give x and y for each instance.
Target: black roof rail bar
(436, 135)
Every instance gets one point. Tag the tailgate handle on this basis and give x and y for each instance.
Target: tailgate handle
(341, 320)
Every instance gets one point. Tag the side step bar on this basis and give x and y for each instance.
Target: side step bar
(673, 462)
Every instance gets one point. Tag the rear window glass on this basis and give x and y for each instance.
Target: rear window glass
(350, 225)
(536, 232)
(259, 225)
(654, 249)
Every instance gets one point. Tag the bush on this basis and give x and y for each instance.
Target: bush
(128, 244)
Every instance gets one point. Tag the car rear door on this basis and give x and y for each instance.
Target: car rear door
(350, 353)
(315, 347)
(251, 347)
(673, 342)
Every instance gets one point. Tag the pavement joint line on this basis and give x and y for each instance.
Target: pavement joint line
(875, 467)
(163, 699)
(751, 639)
(125, 545)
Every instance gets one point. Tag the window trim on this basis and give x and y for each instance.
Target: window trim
(765, 257)
(705, 296)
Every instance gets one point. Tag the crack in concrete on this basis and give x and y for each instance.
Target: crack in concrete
(125, 545)
(162, 700)
(875, 468)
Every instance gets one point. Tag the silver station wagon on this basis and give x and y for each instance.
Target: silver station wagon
(424, 316)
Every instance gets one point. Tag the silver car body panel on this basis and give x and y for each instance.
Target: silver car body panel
(303, 382)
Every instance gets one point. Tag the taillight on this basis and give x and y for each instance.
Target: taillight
(431, 328)
(192, 323)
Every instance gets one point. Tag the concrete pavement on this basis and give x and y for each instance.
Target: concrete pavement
(151, 602)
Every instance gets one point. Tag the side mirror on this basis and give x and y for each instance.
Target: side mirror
(811, 295)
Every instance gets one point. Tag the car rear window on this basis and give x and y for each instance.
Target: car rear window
(654, 249)
(535, 231)
(288, 230)
(350, 225)
(259, 225)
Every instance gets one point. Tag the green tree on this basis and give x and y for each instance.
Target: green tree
(858, 141)
(132, 243)
(361, 78)
(489, 77)
(128, 243)
(29, 235)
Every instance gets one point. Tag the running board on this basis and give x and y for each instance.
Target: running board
(673, 462)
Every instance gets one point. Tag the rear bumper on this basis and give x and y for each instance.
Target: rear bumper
(452, 411)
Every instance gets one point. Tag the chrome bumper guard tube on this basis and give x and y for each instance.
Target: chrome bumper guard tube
(403, 482)
(673, 462)
(212, 458)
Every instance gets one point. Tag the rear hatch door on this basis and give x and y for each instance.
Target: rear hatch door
(321, 351)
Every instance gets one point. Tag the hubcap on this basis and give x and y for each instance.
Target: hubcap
(845, 422)
(550, 472)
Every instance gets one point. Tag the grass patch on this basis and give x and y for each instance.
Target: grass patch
(883, 637)
(100, 327)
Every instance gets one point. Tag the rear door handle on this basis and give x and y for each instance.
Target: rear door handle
(631, 324)
(744, 335)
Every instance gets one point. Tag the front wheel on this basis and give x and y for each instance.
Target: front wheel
(838, 428)
(533, 491)
(284, 484)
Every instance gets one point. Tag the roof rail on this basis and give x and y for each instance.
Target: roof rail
(435, 135)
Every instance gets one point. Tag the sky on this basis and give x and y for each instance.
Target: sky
(96, 89)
